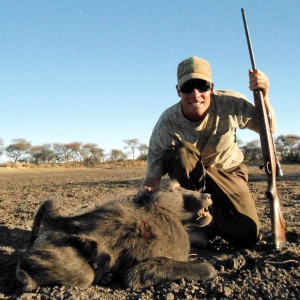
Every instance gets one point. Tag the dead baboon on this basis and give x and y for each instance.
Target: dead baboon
(141, 242)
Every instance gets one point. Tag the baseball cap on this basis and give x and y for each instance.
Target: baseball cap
(193, 68)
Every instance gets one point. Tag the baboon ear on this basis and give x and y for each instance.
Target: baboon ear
(86, 246)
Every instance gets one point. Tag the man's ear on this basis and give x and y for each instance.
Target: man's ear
(178, 91)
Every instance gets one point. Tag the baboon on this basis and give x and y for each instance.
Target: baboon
(141, 242)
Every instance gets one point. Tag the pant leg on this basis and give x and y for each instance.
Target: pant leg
(234, 213)
(183, 163)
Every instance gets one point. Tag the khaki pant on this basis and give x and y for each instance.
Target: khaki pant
(234, 213)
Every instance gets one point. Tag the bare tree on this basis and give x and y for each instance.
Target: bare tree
(132, 145)
(18, 149)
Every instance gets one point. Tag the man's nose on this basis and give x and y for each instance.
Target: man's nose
(195, 92)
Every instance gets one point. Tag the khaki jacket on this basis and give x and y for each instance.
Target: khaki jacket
(215, 136)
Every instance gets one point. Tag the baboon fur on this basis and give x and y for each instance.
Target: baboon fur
(142, 242)
(57, 258)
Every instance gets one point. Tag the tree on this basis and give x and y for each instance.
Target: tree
(98, 153)
(117, 155)
(289, 147)
(41, 154)
(132, 145)
(60, 152)
(92, 153)
(73, 150)
(251, 150)
(18, 149)
(239, 142)
(1, 146)
(143, 148)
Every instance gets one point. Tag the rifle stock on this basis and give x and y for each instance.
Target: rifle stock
(271, 163)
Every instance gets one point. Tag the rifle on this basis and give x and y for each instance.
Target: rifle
(271, 162)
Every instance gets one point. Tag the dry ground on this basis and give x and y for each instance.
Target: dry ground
(256, 273)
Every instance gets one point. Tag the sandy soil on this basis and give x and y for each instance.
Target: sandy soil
(256, 273)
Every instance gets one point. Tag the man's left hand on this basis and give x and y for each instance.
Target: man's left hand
(258, 81)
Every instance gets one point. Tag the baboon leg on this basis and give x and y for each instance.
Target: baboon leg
(158, 269)
(46, 209)
(99, 262)
(86, 246)
(101, 268)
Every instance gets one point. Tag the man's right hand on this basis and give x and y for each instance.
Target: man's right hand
(149, 185)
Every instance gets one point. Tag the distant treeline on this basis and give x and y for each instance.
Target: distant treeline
(21, 150)
(287, 148)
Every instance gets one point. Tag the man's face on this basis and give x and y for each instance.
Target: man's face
(195, 100)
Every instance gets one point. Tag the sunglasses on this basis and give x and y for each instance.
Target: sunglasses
(200, 85)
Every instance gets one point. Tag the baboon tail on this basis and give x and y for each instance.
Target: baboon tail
(45, 211)
(157, 269)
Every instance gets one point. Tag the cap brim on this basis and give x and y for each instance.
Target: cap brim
(189, 76)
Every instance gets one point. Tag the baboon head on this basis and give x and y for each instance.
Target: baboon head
(189, 205)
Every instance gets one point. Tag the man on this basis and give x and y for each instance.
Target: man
(194, 141)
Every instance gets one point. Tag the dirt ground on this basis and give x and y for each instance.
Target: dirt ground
(256, 273)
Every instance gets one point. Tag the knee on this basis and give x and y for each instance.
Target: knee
(243, 238)
(242, 233)
(248, 242)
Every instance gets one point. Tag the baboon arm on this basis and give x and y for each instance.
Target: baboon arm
(158, 269)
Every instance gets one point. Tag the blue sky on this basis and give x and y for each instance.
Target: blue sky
(103, 71)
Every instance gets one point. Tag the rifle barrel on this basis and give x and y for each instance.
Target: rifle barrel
(248, 40)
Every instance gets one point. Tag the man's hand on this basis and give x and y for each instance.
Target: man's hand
(149, 185)
(259, 81)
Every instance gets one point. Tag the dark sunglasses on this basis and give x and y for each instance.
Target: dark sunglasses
(200, 85)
